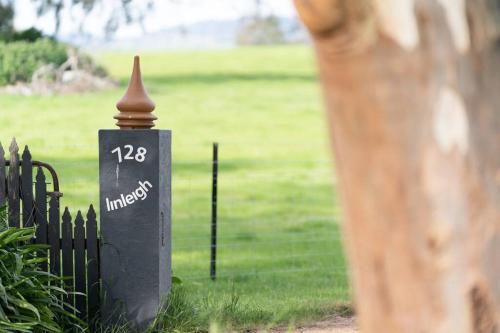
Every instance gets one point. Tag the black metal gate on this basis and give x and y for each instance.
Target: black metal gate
(74, 245)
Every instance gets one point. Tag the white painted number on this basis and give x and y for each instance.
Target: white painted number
(119, 151)
(129, 156)
(140, 156)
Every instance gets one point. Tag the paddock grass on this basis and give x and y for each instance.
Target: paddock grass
(280, 249)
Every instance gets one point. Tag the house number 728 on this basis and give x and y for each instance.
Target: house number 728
(139, 156)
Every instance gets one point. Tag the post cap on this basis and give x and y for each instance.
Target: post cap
(135, 106)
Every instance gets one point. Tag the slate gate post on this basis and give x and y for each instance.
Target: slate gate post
(135, 210)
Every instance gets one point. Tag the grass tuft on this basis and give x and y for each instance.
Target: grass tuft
(179, 314)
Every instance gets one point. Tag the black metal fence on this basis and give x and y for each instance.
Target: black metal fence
(74, 245)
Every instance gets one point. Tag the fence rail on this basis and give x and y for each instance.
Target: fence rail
(74, 244)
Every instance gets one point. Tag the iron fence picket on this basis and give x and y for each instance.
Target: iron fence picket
(92, 265)
(54, 236)
(67, 255)
(80, 274)
(13, 186)
(27, 188)
(41, 211)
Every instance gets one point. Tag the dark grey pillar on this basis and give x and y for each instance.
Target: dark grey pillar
(135, 201)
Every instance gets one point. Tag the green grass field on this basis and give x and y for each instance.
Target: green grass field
(280, 251)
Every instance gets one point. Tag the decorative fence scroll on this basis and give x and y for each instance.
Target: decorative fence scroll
(74, 245)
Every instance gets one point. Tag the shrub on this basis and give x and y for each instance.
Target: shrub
(30, 299)
(8, 34)
(87, 63)
(19, 60)
(30, 35)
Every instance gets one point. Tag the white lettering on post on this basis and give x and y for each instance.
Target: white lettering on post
(139, 156)
(140, 193)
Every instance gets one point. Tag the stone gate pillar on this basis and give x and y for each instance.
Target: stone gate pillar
(135, 210)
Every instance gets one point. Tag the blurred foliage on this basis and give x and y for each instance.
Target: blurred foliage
(259, 30)
(88, 64)
(125, 12)
(30, 35)
(6, 18)
(7, 31)
(20, 59)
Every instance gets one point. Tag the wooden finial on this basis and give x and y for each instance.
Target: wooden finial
(135, 106)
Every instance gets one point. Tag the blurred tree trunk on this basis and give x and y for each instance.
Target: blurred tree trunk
(412, 89)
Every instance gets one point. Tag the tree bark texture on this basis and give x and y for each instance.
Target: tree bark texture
(412, 90)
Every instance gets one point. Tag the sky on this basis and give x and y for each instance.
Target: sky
(166, 13)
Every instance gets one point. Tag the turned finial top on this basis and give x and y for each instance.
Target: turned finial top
(135, 106)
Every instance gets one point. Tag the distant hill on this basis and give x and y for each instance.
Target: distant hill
(201, 35)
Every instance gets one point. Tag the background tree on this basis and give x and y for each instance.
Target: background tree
(6, 19)
(257, 28)
(411, 88)
(125, 12)
(260, 29)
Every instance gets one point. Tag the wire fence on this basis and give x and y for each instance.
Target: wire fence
(278, 216)
(277, 219)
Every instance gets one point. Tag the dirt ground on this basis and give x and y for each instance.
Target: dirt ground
(334, 324)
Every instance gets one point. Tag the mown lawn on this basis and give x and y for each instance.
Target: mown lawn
(280, 249)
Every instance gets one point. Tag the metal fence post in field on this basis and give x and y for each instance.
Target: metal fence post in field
(135, 202)
(213, 236)
(3, 180)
